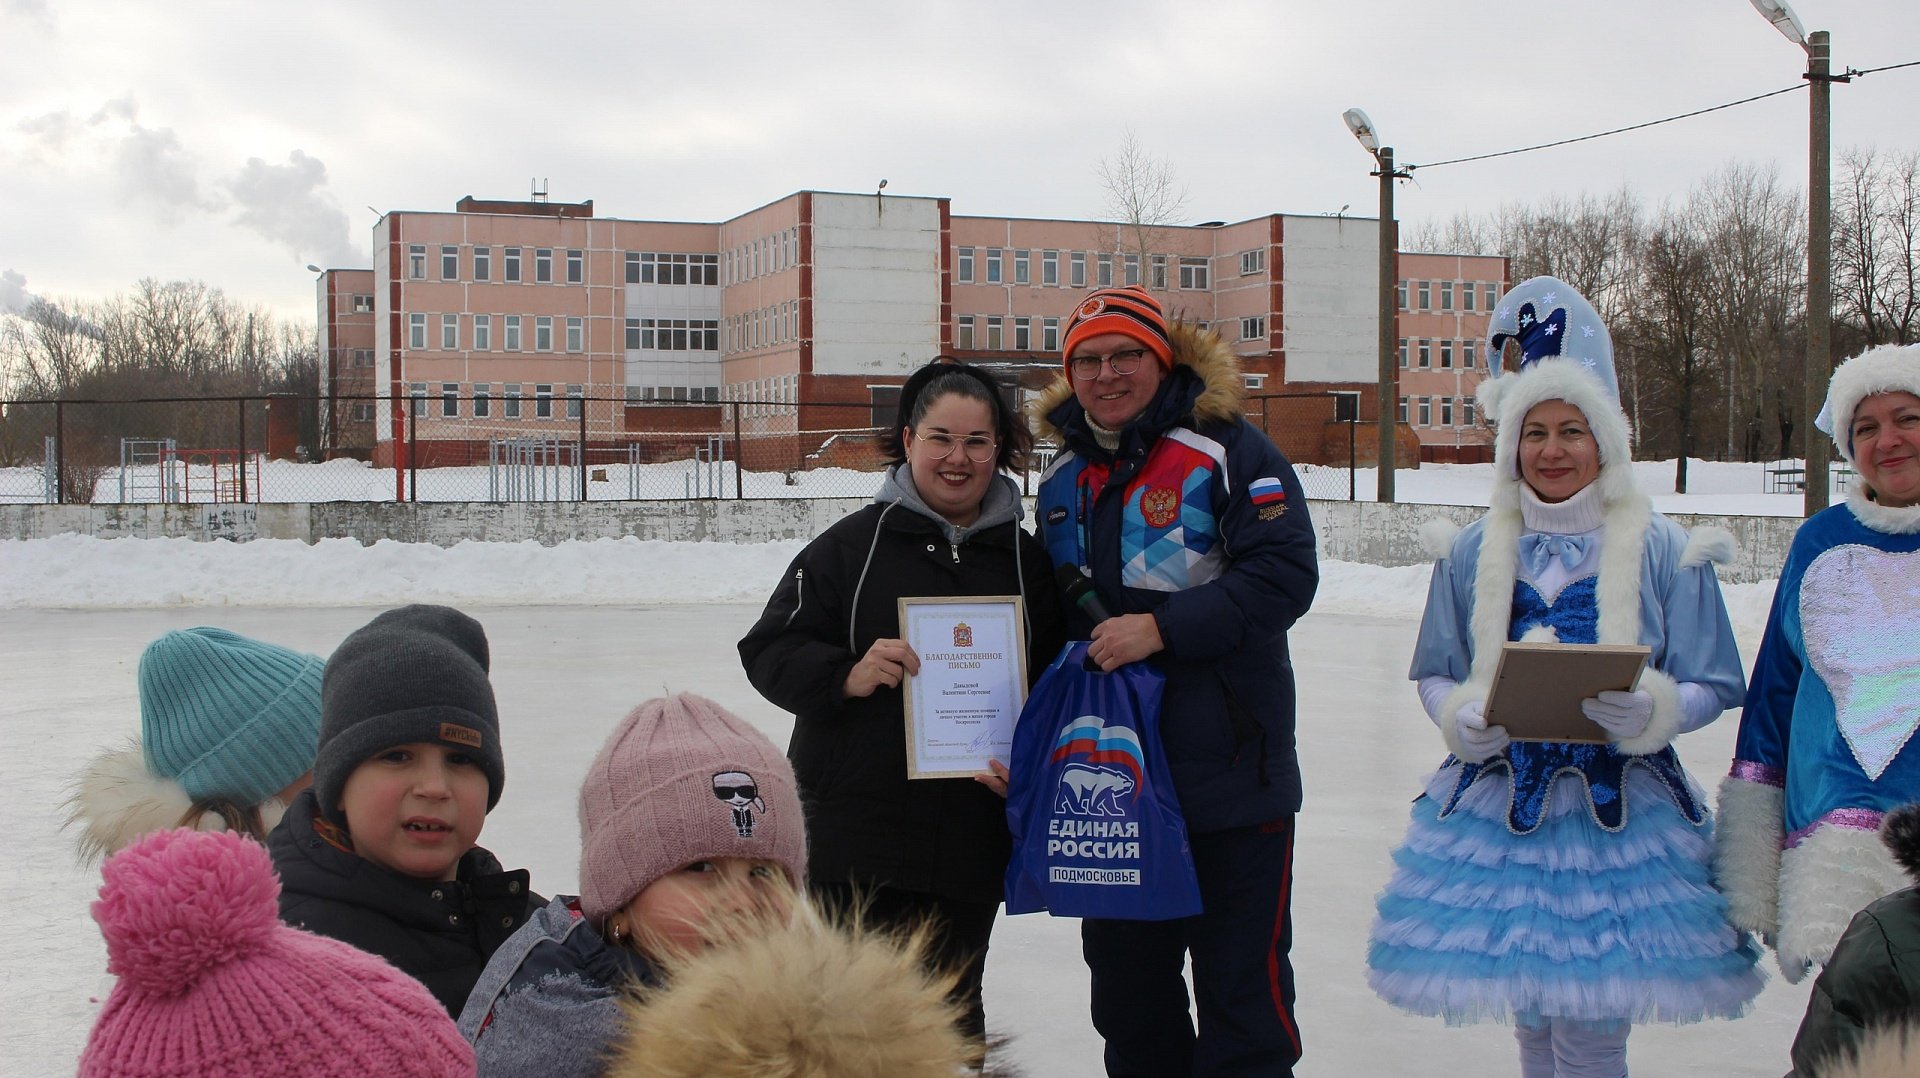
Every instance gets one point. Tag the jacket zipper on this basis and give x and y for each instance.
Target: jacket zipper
(955, 548)
(799, 593)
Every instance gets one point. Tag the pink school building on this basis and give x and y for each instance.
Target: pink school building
(539, 319)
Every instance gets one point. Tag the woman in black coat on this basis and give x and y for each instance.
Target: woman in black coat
(828, 649)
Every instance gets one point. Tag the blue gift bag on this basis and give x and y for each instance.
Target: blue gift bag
(1097, 830)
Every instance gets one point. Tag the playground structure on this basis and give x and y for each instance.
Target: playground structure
(158, 470)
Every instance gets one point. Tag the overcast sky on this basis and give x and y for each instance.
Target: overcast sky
(236, 141)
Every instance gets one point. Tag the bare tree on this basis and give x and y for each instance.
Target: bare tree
(1666, 328)
(1753, 231)
(1144, 194)
(1876, 247)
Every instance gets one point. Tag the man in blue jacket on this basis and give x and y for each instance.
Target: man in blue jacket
(1193, 529)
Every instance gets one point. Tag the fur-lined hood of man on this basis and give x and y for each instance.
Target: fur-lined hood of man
(1203, 365)
(1888, 1052)
(805, 1000)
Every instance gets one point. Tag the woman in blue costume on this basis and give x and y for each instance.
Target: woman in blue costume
(1565, 887)
(1825, 747)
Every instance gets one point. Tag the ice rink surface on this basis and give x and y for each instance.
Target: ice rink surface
(564, 675)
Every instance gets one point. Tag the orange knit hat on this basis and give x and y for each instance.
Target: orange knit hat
(1130, 311)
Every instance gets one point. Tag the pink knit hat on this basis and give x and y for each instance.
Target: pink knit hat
(213, 985)
(683, 779)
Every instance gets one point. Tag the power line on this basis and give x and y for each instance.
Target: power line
(1850, 73)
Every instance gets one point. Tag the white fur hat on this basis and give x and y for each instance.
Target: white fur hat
(1885, 369)
(1567, 355)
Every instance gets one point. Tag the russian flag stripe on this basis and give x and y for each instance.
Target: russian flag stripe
(1267, 490)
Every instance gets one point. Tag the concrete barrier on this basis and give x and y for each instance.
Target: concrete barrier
(1365, 532)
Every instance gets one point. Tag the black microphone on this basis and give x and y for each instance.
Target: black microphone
(1081, 593)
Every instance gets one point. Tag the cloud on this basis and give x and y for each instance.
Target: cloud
(153, 165)
(14, 297)
(290, 205)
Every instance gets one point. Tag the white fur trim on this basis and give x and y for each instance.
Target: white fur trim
(1887, 519)
(1708, 544)
(1746, 853)
(1437, 536)
(1668, 713)
(1883, 1051)
(1540, 634)
(1567, 380)
(1824, 881)
(1618, 590)
(116, 800)
(1888, 368)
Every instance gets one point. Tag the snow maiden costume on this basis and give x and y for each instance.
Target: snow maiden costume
(1562, 885)
(1825, 747)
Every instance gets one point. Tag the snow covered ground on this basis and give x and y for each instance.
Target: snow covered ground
(582, 631)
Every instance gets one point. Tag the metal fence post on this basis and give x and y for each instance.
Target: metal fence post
(240, 461)
(413, 448)
(1353, 447)
(60, 452)
(583, 449)
(740, 457)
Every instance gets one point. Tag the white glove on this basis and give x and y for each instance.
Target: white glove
(1481, 742)
(1622, 714)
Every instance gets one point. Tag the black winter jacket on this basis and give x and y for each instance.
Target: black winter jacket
(1873, 978)
(866, 822)
(441, 934)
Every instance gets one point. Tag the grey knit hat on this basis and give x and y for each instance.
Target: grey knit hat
(416, 674)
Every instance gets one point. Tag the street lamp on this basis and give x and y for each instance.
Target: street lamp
(1819, 75)
(1363, 129)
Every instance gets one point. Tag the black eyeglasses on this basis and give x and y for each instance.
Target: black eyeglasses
(940, 446)
(1123, 362)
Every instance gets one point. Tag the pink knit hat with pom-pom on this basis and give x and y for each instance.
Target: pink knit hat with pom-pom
(212, 984)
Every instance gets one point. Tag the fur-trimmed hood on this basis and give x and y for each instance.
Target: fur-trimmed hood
(1901, 833)
(1885, 1052)
(1223, 392)
(804, 1000)
(1888, 368)
(117, 799)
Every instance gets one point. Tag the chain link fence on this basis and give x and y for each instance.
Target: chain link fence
(451, 447)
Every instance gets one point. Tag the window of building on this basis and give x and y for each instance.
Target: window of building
(416, 331)
(1426, 412)
(1105, 271)
(482, 263)
(1425, 353)
(1077, 269)
(1401, 295)
(1160, 272)
(633, 333)
(1490, 293)
(658, 267)
(1466, 411)
(1426, 295)
(576, 400)
(450, 400)
(417, 261)
(1050, 334)
(1133, 269)
(1446, 295)
(512, 267)
(362, 304)
(576, 266)
(1466, 296)
(994, 342)
(1049, 268)
(1256, 381)
(676, 334)
(482, 400)
(576, 334)
(543, 333)
(1466, 352)
(993, 265)
(449, 332)
(1022, 273)
(543, 400)
(1252, 262)
(1254, 328)
(1403, 353)
(511, 327)
(363, 357)
(1446, 411)
(963, 332)
(1446, 355)
(449, 263)
(363, 412)
(966, 265)
(482, 333)
(510, 401)
(1022, 334)
(543, 265)
(1403, 409)
(883, 402)
(417, 394)
(1193, 273)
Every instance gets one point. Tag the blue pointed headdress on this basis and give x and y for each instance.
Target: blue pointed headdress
(1549, 319)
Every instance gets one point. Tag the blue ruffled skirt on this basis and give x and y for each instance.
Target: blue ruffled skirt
(1568, 921)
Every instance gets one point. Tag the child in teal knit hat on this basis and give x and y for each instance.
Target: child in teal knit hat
(228, 730)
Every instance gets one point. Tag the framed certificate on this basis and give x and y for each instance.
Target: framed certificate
(972, 682)
(1537, 688)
